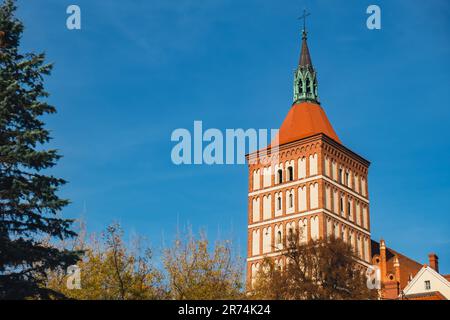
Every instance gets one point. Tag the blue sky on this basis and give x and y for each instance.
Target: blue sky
(140, 69)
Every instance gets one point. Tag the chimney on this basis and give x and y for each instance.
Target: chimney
(383, 259)
(397, 268)
(433, 258)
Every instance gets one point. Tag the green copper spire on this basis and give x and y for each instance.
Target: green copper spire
(305, 79)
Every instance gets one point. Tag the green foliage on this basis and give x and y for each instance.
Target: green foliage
(29, 204)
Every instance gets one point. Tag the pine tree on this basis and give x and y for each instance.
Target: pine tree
(29, 205)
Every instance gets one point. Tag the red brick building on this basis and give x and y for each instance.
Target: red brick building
(308, 180)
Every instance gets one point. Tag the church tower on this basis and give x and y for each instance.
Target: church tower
(309, 182)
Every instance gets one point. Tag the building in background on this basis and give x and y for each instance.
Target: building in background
(428, 283)
(308, 180)
(311, 182)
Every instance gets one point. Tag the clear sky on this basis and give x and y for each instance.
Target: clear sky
(140, 69)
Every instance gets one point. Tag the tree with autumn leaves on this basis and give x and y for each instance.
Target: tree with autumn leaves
(325, 269)
(191, 269)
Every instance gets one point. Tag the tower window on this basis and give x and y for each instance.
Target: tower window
(280, 176)
(279, 203)
(290, 235)
(279, 237)
(427, 285)
(300, 86)
(290, 173)
(308, 86)
(291, 201)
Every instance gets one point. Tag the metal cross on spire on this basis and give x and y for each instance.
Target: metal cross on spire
(303, 17)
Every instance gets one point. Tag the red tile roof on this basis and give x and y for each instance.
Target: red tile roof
(303, 120)
(434, 295)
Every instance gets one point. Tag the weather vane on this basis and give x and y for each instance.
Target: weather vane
(303, 17)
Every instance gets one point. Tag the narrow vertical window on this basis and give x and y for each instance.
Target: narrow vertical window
(308, 86)
(279, 237)
(280, 176)
(333, 169)
(290, 234)
(290, 173)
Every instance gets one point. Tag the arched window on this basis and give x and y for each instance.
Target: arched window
(290, 173)
(314, 195)
(279, 203)
(291, 200)
(300, 86)
(313, 164)
(280, 176)
(290, 234)
(302, 168)
(279, 237)
(302, 198)
(308, 86)
(314, 228)
(267, 240)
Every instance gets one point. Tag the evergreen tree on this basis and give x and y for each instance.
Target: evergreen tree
(29, 205)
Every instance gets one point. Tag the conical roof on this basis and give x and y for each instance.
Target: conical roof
(303, 120)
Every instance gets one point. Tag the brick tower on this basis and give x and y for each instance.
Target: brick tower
(309, 182)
